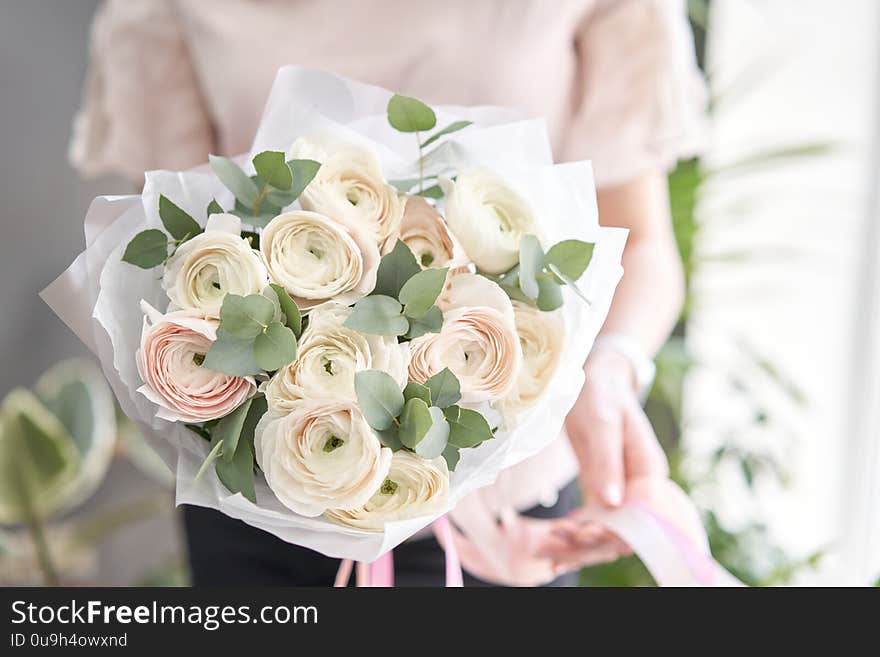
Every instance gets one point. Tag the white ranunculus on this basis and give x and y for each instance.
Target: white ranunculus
(316, 258)
(413, 487)
(321, 455)
(425, 232)
(329, 356)
(542, 337)
(206, 267)
(489, 218)
(478, 341)
(350, 186)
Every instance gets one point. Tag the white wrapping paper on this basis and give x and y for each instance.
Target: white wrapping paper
(98, 296)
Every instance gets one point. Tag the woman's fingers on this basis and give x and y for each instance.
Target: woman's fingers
(642, 453)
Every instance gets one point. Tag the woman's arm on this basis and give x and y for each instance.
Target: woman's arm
(610, 434)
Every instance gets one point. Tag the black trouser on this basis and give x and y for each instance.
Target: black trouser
(227, 552)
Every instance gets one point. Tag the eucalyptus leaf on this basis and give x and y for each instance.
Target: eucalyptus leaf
(445, 388)
(289, 308)
(455, 126)
(430, 322)
(275, 348)
(232, 356)
(213, 455)
(467, 428)
(408, 114)
(236, 181)
(267, 213)
(434, 191)
(571, 257)
(437, 438)
(531, 263)
(415, 421)
(214, 208)
(237, 474)
(303, 172)
(415, 390)
(452, 456)
(571, 284)
(245, 317)
(176, 220)
(390, 437)
(147, 249)
(395, 269)
(549, 294)
(272, 168)
(229, 428)
(420, 292)
(379, 397)
(378, 315)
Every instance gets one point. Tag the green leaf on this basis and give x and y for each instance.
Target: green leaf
(272, 168)
(289, 308)
(437, 438)
(303, 172)
(379, 397)
(452, 127)
(531, 263)
(430, 322)
(549, 294)
(574, 286)
(395, 269)
(467, 428)
(378, 315)
(452, 456)
(237, 181)
(245, 317)
(238, 474)
(229, 428)
(212, 456)
(420, 292)
(147, 249)
(232, 356)
(176, 220)
(275, 348)
(415, 390)
(434, 191)
(415, 421)
(410, 115)
(390, 437)
(571, 257)
(267, 213)
(214, 208)
(445, 388)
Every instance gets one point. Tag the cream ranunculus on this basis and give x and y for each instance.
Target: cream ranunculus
(316, 258)
(427, 236)
(489, 218)
(206, 267)
(321, 455)
(173, 347)
(350, 186)
(541, 336)
(413, 487)
(329, 356)
(478, 341)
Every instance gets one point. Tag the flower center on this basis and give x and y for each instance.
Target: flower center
(389, 487)
(333, 442)
(198, 359)
(427, 259)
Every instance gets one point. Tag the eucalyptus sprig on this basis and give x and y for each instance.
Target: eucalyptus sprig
(277, 184)
(423, 417)
(407, 114)
(402, 303)
(149, 248)
(538, 276)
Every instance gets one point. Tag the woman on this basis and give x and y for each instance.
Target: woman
(174, 80)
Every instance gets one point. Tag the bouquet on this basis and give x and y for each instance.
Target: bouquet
(337, 336)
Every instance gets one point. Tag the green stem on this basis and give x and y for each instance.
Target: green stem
(37, 529)
(421, 164)
(260, 199)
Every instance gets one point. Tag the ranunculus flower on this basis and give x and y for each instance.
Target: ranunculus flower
(478, 341)
(413, 487)
(206, 267)
(329, 356)
(173, 347)
(425, 233)
(541, 336)
(316, 258)
(321, 455)
(350, 186)
(489, 218)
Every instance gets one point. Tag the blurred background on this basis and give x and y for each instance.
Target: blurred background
(767, 398)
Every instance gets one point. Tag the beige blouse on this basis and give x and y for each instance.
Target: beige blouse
(172, 80)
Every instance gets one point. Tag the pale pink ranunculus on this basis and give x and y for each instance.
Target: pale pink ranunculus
(426, 234)
(173, 347)
(478, 341)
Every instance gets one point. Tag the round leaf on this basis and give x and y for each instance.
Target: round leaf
(230, 174)
(445, 388)
(549, 294)
(420, 292)
(379, 397)
(275, 348)
(176, 220)
(245, 317)
(571, 257)
(378, 315)
(232, 356)
(395, 269)
(289, 308)
(147, 249)
(531, 263)
(430, 322)
(410, 115)
(467, 428)
(272, 168)
(437, 437)
(415, 421)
